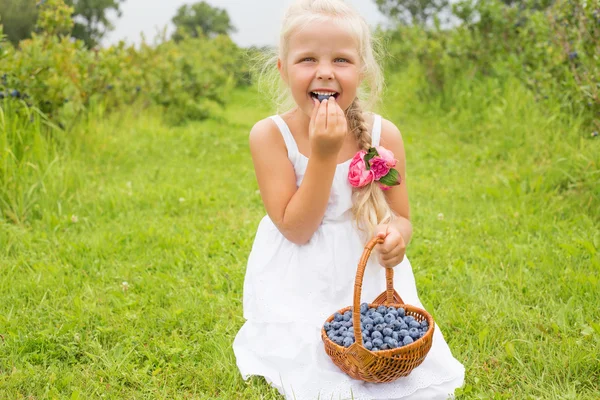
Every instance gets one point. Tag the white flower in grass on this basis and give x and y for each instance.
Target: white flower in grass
(181, 199)
(440, 216)
(74, 218)
(125, 286)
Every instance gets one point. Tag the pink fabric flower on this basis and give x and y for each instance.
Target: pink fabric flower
(379, 166)
(387, 155)
(358, 175)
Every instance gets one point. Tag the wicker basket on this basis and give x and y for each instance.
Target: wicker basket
(383, 365)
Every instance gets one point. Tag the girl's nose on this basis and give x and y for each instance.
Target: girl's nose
(325, 72)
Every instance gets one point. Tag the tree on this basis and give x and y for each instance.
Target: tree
(90, 16)
(415, 12)
(91, 21)
(201, 19)
(18, 18)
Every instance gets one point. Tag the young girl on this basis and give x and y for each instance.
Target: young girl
(322, 209)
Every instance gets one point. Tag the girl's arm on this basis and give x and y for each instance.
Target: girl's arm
(296, 211)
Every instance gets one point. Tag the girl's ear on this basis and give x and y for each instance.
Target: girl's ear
(281, 70)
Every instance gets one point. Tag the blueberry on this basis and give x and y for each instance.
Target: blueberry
(336, 325)
(364, 307)
(392, 310)
(365, 337)
(424, 324)
(348, 341)
(348, 334)
(342, 330)
(375, 315)
(368, 327)
(375, 349)
(389, 318)
(407, 340)
(401, 312)
(347, 324)
(327, 326)
(331, 333)
(386, 339)
(395, 336)
(367, 332)
(387, 332)
(385, 346)
(338, 340)
(368, 345)
(414, 333)
(372, 310)
(393, 343)
(396, 325)
(376, 335)
(403, 326)
(378, 320)
(15, 93)
(403, 333)
(379, 327)
(347, 316)
(337, 317)
(368, 321)
(409, 318)
(377, 342)
(414, 324)
(421, 334)
(382, 310)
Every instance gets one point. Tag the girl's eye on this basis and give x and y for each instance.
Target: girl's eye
(308, 59)
(342, 59)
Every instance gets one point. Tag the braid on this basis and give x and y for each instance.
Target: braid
(358, 125)
(369, 204)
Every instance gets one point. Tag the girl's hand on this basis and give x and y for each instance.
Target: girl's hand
(393, 249)
(328, 128)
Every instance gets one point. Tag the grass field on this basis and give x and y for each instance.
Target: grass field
(124, 278)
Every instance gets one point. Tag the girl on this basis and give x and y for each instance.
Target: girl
(322, 208)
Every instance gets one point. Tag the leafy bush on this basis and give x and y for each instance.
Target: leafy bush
(60, 76)
(553, 50)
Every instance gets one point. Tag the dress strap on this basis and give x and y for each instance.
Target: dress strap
(290, 143)
(376, 134)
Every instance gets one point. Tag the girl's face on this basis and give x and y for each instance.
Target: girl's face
(322, 58)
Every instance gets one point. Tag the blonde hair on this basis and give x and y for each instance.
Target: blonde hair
(370, 206)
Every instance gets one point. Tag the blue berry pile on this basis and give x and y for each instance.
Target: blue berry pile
(382, 328)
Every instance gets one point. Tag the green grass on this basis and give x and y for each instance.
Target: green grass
(510, 272)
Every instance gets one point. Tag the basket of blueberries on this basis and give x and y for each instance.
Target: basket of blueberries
(380, 341)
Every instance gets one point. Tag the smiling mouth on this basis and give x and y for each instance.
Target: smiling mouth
(324, 95)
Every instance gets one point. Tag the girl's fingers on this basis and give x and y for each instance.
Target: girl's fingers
(313, 117)
(331, 113)
(322, 116)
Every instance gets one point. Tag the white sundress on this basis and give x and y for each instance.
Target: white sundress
(290, 290)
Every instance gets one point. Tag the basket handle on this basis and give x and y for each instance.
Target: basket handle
(390, 294)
